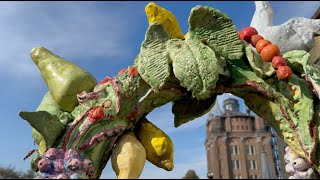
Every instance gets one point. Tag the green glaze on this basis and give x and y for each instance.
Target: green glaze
(64, 79)
(297, 59)
(34, 161)
(215, 29)
(312, 72)
(153, 61)
(258, 66)
(270, 112)
(47, 104)
(195, 65)
(317, 124)
(300, 96)
(188, 109)
(79, 114)
(45, 123)
(297, 106)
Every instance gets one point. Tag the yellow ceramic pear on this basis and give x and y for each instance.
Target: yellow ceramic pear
(64, 79)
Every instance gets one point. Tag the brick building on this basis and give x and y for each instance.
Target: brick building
(242, 146)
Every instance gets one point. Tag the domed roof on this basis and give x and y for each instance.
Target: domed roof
(216, 111)
(232, 108)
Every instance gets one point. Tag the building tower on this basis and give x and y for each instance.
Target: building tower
(237, 145)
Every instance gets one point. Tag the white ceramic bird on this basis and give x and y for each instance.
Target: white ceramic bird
(289, 169)
(295, 34)
(297, 167)
(309, 174)
(300, 164)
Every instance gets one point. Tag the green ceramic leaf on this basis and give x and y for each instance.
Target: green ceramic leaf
(195, 65)
(317, 130)
(153, 61)
(294, 98)
(188, 109)
(301, 99)
(261, 68)
(297, 59)
(217, 30)
(46, 124)
(313, 77)
(47, 104)
(271, 112)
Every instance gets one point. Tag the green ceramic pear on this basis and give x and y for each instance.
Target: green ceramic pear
(64, 79)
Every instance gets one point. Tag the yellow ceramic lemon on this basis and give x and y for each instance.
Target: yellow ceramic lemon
(128, 157)
(156, 13)
(158, 145)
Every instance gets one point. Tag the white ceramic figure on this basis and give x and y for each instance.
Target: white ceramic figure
(295, 34)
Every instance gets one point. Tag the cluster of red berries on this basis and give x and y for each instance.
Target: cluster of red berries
(269, 52)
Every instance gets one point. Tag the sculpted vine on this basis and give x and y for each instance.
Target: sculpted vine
(81, 123)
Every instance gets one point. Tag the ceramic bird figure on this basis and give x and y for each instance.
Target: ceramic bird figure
(297, 167)
(295, 34)
(300, 164)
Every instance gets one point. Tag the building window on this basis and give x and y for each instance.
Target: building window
(253, 164)
(235, 150)
(253, 176)
(236, 164)
(276, 154)
(237, 177)
(238, 127)
(228, 107)
(251, 150)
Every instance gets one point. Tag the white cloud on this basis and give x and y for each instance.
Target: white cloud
(72, 30)
(289, 9)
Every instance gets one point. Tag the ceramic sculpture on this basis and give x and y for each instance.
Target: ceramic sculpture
(80, 124)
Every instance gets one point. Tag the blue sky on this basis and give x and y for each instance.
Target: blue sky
(102, 37)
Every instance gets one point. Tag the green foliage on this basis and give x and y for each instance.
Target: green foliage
(11, 173)
(191, 174)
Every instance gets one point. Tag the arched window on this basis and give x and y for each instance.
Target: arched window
(234, 146)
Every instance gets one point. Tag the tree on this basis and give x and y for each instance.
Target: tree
(10, 173)
(28, 175)
(191, 174)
